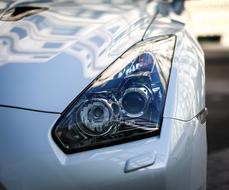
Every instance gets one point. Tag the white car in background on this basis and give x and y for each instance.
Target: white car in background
(207, 26)
(100, 95)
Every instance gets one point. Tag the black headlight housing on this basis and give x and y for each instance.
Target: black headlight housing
(125, 102)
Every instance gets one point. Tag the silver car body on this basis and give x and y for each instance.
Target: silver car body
(48, 58)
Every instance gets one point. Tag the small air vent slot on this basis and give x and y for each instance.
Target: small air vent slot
(19, 12)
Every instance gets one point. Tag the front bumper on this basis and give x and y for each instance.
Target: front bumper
(31, 160)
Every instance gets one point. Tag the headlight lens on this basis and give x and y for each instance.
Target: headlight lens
(125, 102)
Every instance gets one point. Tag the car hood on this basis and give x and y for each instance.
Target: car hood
(49, 57)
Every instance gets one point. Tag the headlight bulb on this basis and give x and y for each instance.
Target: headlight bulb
(94, 117)
(135, 101)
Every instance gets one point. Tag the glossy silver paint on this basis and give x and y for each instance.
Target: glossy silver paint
(30, 159)
(47, 59)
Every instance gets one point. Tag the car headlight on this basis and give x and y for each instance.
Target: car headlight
(124, 103)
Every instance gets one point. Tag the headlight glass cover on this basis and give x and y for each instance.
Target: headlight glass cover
(124, 103)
